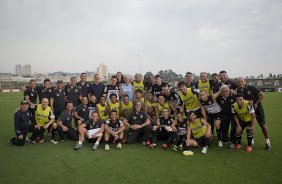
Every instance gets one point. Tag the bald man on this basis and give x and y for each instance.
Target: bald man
(255, 96)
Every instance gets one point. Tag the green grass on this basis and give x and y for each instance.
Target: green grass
(47, 163)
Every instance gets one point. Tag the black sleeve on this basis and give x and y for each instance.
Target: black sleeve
(129, 117)
(63, 117)
(17, 122)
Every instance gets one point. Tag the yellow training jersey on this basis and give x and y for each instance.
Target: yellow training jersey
(115, 106)
(151, 104)
(243, 113)
(101, 112)
(161, 107)
(138, 85)
(190, 100)
(42, 115)
(206, 86)
(197, 129)
(127, 108)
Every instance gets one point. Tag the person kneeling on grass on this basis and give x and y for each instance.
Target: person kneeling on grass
(179, 128)
(65, 124)
(44, 119)
(201, 132)
(114, 130)
(21, 121)
(244, 115)
(93, 129)
(163, 130)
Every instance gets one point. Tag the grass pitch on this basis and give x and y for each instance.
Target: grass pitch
(48, 163)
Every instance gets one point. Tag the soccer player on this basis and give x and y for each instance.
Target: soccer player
(224, 80)
(102, 109)
(30, 93)
(92, 104)
(113, 105)
(215, 82)
(138, 123)
(112, 88)
(204, 83)
(171, 97)
(97, 88)
(189, 80)
(163, 130)
(83, 85)
(126, 88)
(226, 98)
(179, 129)
(244, 115)
(213, 113)
(189, 100)
(139, 97)
(126, 107)
(81, 112)
(157, 88)
(114, 130)
(163, 104)
(58, 99)
(255, 96)
(73, 93)
(148, 83)
(138, 83)
(44, 91)
(65, 124)
(149, 102)
(198, 134)
(93, 130)
(21, 123)
(44, 119)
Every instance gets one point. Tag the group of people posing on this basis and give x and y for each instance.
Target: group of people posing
(148, 111)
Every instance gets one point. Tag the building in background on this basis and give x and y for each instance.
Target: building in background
(26, 70)
(18, 70)
(102, 70)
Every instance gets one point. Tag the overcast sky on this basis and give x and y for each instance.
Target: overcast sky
(243, 37)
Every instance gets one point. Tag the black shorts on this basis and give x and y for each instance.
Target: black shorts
(244, 124)
(57, 113)
(201, 141)
(197, 112)
(212, 117)
(260, 115)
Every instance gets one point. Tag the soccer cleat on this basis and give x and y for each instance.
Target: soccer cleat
(148, 143)
(32, 142)
(95, 147)
(27, 139)
(180, 147)
(143, 143)
(188, 153)
(253, 142)
(107, 147)
(232, 146)
(267, 147)
(119, 146)
(41, 141)
(219, 143)
(153, 145)
(204, 150)
(78, 146)
(248, 148)
(174, 147)
(10, 141)
(54, 142)
(165, 146)
(238, 146)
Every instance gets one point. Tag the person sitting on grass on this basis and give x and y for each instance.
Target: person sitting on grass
(21, 122)
(179, 129)
(198, 134)
(163, 130)
(44, 120)
(93, 130)
(114, 130)
(244, 115)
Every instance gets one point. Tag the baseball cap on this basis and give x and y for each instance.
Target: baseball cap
(59, 81)
(24, 102)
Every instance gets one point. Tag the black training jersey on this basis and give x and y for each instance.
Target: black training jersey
(59, 96)
(111, 89)
(114, 126)
(158, 89)
(66, 118)
(44, 93)
(181, 127)
(83, 111)
(165, 122)
(250, 93)
(230, 83)
(21, 121)
(73, 93)
(84, 88)
(32, 94)
(210, 106)
(93, 125)
(226, 104)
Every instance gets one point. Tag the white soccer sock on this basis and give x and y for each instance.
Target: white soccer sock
(79, 142)
(267, 141)
(97, 142)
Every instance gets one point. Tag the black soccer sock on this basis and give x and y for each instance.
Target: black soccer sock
(219, 134)
(238, 139)
(53, 133)
(206, 142)
(119, 140)
(249, 137)
(107, 142)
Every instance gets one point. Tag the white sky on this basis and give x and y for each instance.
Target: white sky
(241, 37)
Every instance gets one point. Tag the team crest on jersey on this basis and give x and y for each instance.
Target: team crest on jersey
(210, 102)
(58, 94)
(249, 92)
(222, 102)
(116, 126)
(76, 90)
(68, 118)
(134, 117)
(68, 89)
(87, 85)
(49, 90)
(141, 116)
(32, 94)
(83, 109)
(232, 101)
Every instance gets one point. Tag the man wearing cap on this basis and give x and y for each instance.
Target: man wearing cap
(58, 99)
(21, 122)
(73, 93)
